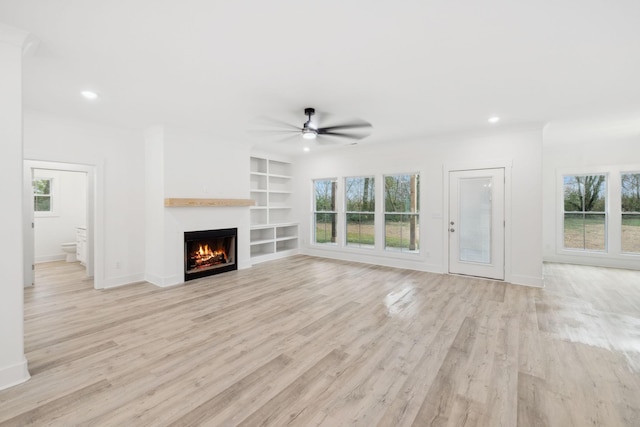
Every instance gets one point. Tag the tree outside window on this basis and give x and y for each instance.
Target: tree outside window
(325, 214)
(360, 213)
(42, 195)
(585, 215)
(630, 209)
(401, 218)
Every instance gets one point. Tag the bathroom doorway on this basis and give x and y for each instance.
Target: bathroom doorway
(59, 215)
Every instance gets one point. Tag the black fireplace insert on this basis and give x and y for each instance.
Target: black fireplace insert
(209, 252)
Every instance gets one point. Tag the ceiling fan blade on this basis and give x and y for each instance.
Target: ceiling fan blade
(354, 125)
(344, 135)
(278, 123)
(273, 131)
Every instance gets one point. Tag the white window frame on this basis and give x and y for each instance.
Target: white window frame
(385, 213)
(626, 172)
(315, 211)
(614, 257)
(52, 212)
(347, 212)
(606, 212)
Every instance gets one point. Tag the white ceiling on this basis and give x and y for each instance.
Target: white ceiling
(410, 67)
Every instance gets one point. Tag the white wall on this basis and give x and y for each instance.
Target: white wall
(586, 147)
(118, 155)
(182, 164)
(70, 211)
(521, 149)
(13, 364)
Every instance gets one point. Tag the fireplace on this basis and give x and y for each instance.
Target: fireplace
(209, 252)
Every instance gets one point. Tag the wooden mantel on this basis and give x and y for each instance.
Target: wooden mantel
(176, 202)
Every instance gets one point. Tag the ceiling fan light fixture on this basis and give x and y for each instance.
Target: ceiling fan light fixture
(309, 133)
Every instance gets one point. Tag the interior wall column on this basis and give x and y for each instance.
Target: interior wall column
(13, 363)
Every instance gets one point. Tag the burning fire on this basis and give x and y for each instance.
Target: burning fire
(205, 256)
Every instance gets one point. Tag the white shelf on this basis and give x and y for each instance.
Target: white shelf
(273, 233)
(261, 242)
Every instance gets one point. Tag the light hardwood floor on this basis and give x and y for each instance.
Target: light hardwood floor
(308, 341)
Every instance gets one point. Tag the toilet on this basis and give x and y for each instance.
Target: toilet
(70, 250)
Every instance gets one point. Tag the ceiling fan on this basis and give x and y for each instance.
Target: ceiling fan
(353, 130)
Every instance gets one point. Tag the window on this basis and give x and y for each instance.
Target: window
(324, 212)
(360, 211)
(42, 200)
(630, 211)
(401, 219)
(585, 216)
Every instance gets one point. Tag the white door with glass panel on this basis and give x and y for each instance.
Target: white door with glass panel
(476, 223)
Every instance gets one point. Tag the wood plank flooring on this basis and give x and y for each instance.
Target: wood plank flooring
(307, 341)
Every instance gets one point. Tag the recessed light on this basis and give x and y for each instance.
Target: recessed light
(494, 119)
(89, 94)
(306, 149)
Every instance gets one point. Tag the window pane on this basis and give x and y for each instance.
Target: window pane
(585, 218)
(630, 204)
(360, 194)
(402, 232)
(585, 231)
(402, 193)
(360, 204)
(42, 186)
(474, 226)
(584, 193)
(42, 204)
(360, 230)
(325, 205)
(630, 192)
(402, 196)
(325, 195)
(631, 232)
(325, 228)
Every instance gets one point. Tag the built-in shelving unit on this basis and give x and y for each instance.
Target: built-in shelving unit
(273, 234)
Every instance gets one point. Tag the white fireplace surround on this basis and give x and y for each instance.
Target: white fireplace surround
(165, 162)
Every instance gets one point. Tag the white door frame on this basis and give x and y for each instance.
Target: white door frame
(507, 164)
(94, 224)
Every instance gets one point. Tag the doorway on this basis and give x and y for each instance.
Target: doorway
(476, 224)
(50, 193)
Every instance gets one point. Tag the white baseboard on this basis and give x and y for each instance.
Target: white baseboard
(14, 374)
(50, 258)
(536, 282)
(164, 282)
(630, 262)
(115, 282)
